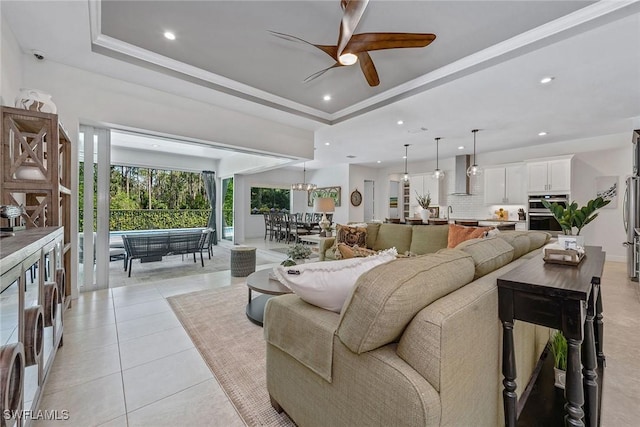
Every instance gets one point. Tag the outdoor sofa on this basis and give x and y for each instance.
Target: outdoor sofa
(150, 247)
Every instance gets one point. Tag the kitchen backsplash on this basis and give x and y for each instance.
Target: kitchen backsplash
(471, 206)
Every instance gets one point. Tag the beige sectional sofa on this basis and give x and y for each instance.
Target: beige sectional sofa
(417, 343)
(416, 239)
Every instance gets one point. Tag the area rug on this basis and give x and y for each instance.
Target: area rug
(233, 348)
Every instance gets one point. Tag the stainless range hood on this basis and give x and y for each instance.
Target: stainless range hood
(460, 176)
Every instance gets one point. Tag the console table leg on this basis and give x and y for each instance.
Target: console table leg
(589, 373)
(573, 389)
(509, 395)
(599, 329)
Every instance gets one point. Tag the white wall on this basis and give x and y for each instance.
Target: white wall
(10, 64)
(357, 176)
(333, 177)
(160, 160)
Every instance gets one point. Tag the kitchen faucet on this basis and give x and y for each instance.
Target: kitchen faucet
(449, 210)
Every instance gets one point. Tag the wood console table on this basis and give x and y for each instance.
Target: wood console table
(565, 298)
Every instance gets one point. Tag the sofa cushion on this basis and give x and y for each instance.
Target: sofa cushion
(386, 298)
(427, 239)
(351, 235)
(538, 239)
(488, 254)
(308, 335)
(372, 233)
(460, 233)
(393, 236)
(328, 284)
(518, 239)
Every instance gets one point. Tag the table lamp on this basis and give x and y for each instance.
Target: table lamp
(324, 205)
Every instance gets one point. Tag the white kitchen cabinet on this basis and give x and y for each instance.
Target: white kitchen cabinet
(505, 185)
(549, 176)
(423, 184)
(521, 226)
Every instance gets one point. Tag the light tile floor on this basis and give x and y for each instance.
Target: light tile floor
(126, 360)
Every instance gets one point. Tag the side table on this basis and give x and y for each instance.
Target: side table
(261, 282)
(565, 298)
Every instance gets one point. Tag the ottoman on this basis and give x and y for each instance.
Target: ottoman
(243, 261)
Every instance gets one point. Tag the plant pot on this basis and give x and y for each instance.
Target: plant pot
(560, 377)
(424, 214)
(35, 100)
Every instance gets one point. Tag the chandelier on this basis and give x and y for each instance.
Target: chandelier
(304, 185)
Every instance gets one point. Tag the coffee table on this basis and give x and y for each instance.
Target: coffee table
(260, 281)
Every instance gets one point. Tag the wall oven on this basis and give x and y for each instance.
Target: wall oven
(541, 218)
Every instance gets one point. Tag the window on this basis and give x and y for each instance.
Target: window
(269, 200)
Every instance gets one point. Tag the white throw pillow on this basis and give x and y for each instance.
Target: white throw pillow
(327, 284)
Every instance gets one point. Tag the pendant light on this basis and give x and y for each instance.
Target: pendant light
(438, 173)
(474, 169)
(405, 176)
(304, 185)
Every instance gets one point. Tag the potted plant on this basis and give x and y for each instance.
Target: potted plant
(297, 254)
(571, 216)
(559, 350)
(424, 200)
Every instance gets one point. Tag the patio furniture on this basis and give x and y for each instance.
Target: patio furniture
(151, 247)
(243, 261)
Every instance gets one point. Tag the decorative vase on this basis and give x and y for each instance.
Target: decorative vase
(35, 100)
(560, 377)
(32, 173)
(424, 214)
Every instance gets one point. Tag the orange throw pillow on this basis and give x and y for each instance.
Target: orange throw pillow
(460, 233)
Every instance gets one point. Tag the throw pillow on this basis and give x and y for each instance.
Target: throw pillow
(460, 233)
(347, 251)
(328, 284)
(351, 235)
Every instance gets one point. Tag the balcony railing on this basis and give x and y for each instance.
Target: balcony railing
(153, 219)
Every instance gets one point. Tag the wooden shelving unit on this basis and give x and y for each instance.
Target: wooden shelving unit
(406, 200)
(36, 173)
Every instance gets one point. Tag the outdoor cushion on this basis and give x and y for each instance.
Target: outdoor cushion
(387, 297)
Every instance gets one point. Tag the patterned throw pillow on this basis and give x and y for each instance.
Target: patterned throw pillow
(347, 251)
(351, 235)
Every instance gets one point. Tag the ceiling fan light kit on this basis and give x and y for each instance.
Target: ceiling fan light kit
(474, 169)
(352, 48)
(405, 175)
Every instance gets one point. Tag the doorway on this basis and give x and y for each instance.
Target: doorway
(227, 209)
(369, 201)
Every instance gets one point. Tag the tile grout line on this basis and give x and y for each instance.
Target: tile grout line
(124, 391)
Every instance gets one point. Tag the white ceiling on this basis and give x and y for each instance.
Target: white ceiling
(482, 71)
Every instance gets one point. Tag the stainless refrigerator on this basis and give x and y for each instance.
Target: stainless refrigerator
(631, 213)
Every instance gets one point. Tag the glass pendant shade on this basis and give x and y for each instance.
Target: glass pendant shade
(474, 169)
(405, 176)
(303, 186)
(438, 173)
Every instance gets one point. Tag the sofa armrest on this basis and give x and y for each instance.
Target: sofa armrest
(324, 245)
(303, 331)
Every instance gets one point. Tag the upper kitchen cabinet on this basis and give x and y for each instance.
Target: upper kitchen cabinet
(505, 185)
(551, 176)
(423, 184)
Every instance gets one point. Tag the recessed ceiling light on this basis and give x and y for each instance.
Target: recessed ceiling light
(327, 143)
(400, 122)
(461, 147)
(169, 35)
(327, 97)
(542, 134)
(546, 80)
(155, 145)
(351, 156)
(379, 161)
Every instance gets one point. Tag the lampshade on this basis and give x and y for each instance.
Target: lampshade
(324, 204)
(474, 169)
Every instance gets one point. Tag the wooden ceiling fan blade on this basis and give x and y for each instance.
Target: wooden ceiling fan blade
(329, 50)
(377, 41)
(368, 69)
(353, 11)
(321, 72)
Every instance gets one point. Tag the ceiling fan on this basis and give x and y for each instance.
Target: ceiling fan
(352, 48)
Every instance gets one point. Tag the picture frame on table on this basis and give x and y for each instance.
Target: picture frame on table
(434, 211)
